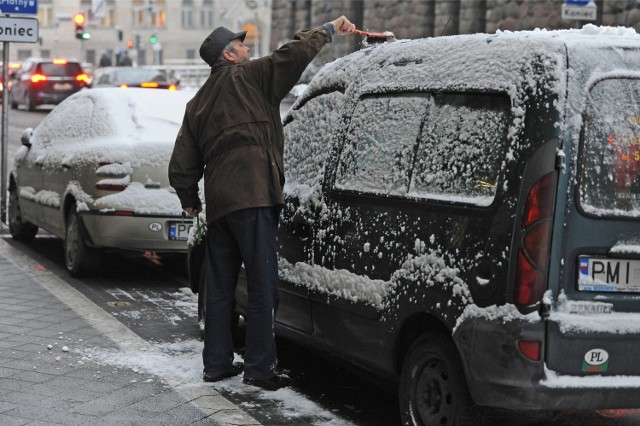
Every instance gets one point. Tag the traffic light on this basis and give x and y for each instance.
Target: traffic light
(79, 20)
(153, 39)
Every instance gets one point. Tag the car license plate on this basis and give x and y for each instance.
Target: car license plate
(62, 86)
(605, 274)
(179, 230)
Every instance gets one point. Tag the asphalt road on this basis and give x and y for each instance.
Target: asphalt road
(156, 294)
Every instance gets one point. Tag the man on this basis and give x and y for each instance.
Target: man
(232, 133)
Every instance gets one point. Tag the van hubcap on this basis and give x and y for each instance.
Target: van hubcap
(433, 394)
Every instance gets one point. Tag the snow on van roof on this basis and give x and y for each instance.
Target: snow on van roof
(465, 58)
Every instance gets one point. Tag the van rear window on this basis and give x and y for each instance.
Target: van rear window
(610, 149)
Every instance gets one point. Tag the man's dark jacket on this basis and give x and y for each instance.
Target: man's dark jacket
(232, 130)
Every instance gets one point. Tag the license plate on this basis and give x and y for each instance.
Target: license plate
(62, 86)
(179, 230)
(605, 274)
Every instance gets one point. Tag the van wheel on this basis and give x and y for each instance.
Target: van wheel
(19, 229)
(80, 259)
(433, 389)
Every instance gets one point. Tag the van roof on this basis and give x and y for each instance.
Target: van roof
(505, 61)
(485, 56)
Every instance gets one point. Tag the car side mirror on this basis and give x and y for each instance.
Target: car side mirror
(25, 139)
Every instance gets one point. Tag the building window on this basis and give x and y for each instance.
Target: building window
(187, 13)
(149, 13)
(206, 14)
(46, 17)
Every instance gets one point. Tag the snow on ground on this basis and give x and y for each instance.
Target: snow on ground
(179, 364)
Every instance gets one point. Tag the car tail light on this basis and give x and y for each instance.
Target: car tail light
(83, 78)
(107, 186)
(37, 78)
(530, 349)
(173, 87)
(123, 86)
(149, 84)
(124, 213)
(60, 61)
(533, 256)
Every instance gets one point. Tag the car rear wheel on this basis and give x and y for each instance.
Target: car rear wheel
(20, 230)
(29, 103)
(433, 389)
(14, 104)
(80, 259)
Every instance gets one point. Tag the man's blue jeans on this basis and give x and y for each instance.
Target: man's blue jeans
(248, 236)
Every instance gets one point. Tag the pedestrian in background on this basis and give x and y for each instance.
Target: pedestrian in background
(105, 59)
(124, 60)
(232, 134)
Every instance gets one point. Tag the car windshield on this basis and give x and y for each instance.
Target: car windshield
(61, 69)
(610, 150)
(137, 75)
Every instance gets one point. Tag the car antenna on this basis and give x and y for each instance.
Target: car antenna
(445, 25)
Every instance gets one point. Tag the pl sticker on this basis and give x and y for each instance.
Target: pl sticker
(595, 361)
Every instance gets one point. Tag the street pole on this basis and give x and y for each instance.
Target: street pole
(5, 127)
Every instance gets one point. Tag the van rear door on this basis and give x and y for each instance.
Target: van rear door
(594, 326)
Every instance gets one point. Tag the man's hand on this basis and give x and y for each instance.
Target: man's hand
(190, 211)
(343, 25)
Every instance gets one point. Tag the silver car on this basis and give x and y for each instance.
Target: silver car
(94, 173)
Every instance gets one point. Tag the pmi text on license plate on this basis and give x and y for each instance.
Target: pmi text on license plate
(179, 230)
(605, 274)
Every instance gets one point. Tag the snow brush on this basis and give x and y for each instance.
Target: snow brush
(375, 38)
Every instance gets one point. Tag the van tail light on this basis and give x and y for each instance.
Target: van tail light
(533, 256)
(149, 84)
(530, 349)
(37, 78)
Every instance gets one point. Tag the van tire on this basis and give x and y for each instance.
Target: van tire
(433, 389)
(79, 258)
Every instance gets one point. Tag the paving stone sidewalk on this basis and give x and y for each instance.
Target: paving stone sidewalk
(44, 379)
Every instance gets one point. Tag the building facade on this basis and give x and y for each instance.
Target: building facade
(409, 19)
(150, 31)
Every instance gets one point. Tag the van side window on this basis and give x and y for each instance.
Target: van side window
(306, 147)
(610, 149)
(462, 146)
(380, 144)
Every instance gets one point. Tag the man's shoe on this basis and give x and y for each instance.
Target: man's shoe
(276, 382)
(236, 368)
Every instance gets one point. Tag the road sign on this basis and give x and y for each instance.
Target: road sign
(578, 12)
(19, 30)
(26, 7)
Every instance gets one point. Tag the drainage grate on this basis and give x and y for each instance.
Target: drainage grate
(119, 304)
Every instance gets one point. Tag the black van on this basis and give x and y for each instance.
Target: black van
(462, 218)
